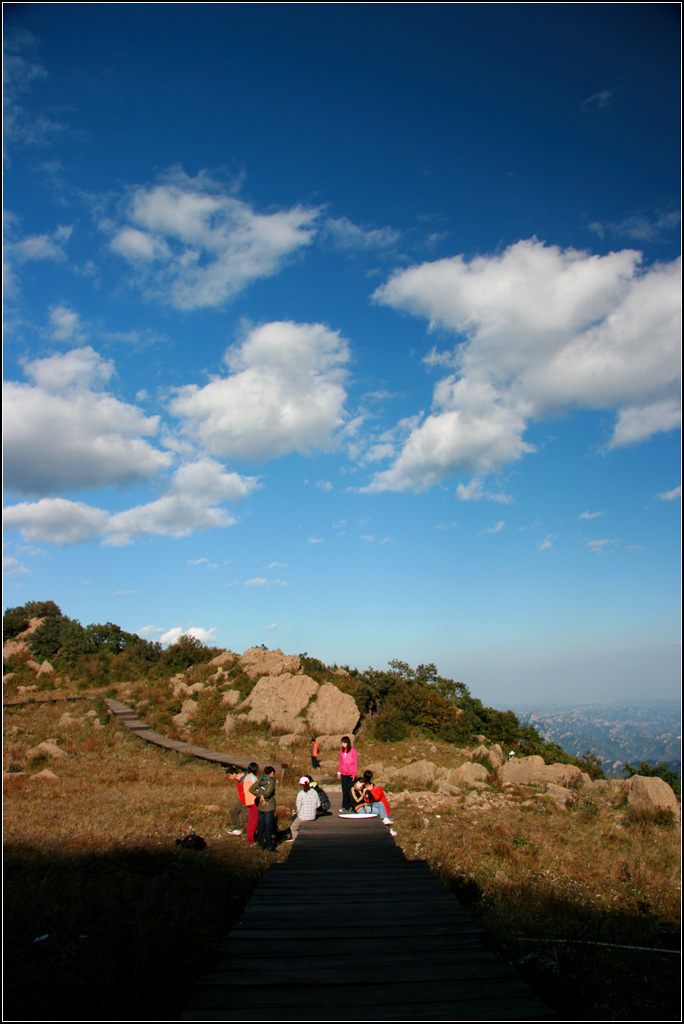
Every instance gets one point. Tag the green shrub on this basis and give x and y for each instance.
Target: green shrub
(14, 621)
(389, 726)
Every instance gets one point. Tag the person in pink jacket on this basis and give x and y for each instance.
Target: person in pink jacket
(346, 772)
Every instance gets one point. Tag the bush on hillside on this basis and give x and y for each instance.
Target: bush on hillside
(187, 651)
(14, 622)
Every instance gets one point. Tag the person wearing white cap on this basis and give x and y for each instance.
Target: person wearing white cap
(308, 802)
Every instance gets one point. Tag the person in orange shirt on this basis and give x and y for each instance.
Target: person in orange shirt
(315, 751)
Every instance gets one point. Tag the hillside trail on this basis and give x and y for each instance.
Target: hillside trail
(346, 886)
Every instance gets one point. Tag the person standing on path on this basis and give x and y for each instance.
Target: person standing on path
(264, 790)
(315, 751)
(347, 771)
(245, 807)
(250, 801)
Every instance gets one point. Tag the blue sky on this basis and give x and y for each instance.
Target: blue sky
(351, 329)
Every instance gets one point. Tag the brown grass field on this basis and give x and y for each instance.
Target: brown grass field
(106, 918)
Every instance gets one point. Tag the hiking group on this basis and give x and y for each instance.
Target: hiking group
(254, 809)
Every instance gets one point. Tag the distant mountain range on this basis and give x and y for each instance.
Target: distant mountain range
(648, 732)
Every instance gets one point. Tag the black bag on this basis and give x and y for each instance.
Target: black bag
(325, 802)
(192, 842)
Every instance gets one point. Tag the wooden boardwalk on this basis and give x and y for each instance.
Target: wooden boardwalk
(129, 718)
(348, 929)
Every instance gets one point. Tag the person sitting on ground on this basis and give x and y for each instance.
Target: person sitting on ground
(358, 796)
(378, 799)
(308, 803)
(324, 807)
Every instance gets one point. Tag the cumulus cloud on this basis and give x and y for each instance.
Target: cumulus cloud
(60, 434)
(173, 635)
(540, 331)
(195, 246)
(193, 503)
(285, 392)
(66, 325)
(56, 521)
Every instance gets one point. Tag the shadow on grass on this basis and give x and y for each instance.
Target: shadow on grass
(121, 935)
(584, 962)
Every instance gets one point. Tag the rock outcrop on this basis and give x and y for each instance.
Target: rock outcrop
(332, 712)
(280, 701)
(651, 794)
(258, 661)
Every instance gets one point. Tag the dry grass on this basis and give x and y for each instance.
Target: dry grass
(561, 894)
(132, 920)
(126, 920)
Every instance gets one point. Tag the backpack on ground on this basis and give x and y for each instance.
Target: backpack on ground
(192, 842)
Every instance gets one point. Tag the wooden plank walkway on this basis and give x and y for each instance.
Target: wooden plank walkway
(129, 718)
(348, 929)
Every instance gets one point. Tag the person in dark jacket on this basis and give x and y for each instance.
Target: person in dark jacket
(265, 791)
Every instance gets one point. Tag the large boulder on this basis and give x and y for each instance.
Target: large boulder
(651, 794)
(469, 774)
(420, 772)
(532, 770)
(279, 700)
(332, 712)
(223, 658)
(257, 661)
(187, 711)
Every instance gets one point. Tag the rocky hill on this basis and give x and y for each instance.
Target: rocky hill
(616, 734)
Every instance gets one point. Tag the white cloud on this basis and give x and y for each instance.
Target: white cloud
(16, 252)
(547, 542)
(347, 235)
(600, 547)
(62, 435)
(541, 331)
(81, 367)
(497, 528)
(642, 227)
(196, 246)
(184, 510)
(12, 567)
(67, 325)
(474, 491)
(598, 100)
(173, 635)
(170, 516)
(472, 430)
(285, 393)
(672, 495)
(208, 482)
(590, 515)
(20, 72)
(641, 423)
(56, 521)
